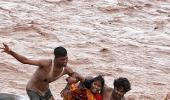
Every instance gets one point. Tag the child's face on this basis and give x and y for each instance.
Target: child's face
(96, 87)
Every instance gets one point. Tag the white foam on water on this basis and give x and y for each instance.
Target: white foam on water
(112, 1)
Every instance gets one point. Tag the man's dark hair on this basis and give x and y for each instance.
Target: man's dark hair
(122, 83)
(60, 52)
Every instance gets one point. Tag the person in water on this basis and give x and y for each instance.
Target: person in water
(88, 89)
(167, 96)
(48, 71)
(121, 87)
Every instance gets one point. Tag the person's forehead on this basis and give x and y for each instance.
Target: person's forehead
(97, 82)
(119, 88)
(64, 57)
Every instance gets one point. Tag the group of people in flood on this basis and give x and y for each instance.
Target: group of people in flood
(78, 87)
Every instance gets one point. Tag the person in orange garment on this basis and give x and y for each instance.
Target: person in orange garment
(48, 71)
(88, 89)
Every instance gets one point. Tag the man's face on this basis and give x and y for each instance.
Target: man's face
(118, 93)
(96, 87)
(61, 61)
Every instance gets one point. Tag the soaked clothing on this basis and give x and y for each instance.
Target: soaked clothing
(78, 94)
(87, 84)
(98, 96)
(81, 92)
(35, 96)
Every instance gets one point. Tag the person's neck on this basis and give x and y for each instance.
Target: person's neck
(57, 67)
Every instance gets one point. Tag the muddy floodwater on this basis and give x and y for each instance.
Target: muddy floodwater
(115, 38)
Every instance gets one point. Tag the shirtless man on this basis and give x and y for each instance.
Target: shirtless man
(121, 86)
(48, 71)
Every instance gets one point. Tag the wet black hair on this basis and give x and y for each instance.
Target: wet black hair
(88, 82)
(60, 52)
(122, 83)
(99, 78)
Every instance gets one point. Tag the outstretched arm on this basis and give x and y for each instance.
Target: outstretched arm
(75, 76)
(19, 57)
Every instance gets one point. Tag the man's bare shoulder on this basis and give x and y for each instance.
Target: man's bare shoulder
(45, 62)
(107, 88)
(107, 91)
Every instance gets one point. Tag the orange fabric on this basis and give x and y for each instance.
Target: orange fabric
(73, 92)
(73, 87)
(67, 93)
(90, 96)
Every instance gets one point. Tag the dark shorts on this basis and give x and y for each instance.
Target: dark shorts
(35, 96)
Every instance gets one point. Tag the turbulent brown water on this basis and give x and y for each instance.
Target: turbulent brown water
(125, 38)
